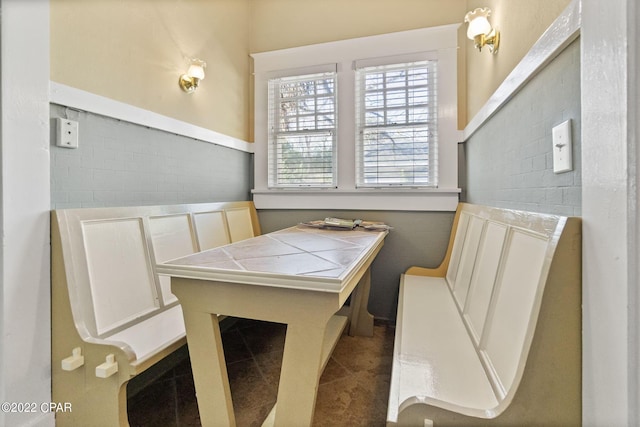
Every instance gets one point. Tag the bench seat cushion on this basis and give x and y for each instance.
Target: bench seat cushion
(148, 337)
(434, 360)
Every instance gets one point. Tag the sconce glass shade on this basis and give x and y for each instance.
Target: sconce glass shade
(189, 81)
(481, 31)
(196, 70)
(478, 23)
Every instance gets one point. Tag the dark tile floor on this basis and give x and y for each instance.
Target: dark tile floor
(353, 390)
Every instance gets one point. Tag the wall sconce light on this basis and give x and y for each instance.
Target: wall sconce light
(189, 81)
(480, 30)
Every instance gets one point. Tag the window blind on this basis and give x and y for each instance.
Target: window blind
(396, 125)
(302, 131)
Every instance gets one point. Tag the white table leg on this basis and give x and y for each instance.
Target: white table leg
(361, 321)
(301, 369)
(209, 369)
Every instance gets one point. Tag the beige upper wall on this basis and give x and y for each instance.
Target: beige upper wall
(521, 23)
(134, 51)
(279, 24)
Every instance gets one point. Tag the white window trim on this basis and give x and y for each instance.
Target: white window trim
(443, 41)
(362, 127)
(275, 130)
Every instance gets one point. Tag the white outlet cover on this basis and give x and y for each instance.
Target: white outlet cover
(562, 147)
(66, 133)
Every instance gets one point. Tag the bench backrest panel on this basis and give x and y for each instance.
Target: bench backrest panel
(496, 274)
(481, 288)
(519, 289)
(121, 280)
(458, 244)
(467, 260)
(239, 222)
(109, 256)
(172, 236)
(211, 229)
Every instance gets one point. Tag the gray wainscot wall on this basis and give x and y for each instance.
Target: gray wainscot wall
(508, 161)
(124, 164)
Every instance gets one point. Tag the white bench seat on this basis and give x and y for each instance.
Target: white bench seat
(437, 355)
(492, 336)
(113, 315)
(145, 339)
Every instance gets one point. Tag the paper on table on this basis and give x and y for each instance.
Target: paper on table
(347, 224)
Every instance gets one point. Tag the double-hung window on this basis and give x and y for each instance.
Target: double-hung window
(365, 123)
(302, 131)
(396, 125)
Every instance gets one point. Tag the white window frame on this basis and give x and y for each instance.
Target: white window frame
(343, 55)
(363, 68)
(274, 130)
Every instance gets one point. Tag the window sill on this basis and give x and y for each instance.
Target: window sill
(432, 199)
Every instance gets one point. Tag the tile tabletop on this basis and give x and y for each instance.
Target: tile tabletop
(316, 257)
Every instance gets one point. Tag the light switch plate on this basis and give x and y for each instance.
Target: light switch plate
(562, 147)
